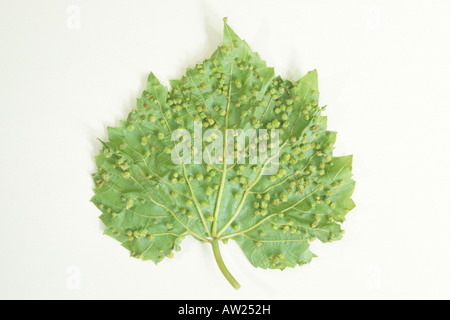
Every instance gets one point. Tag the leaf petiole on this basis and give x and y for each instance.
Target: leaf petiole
(222, 267)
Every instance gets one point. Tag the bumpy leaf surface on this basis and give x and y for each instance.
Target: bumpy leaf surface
(150, 204)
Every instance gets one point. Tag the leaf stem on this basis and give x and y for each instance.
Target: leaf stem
(222, 267)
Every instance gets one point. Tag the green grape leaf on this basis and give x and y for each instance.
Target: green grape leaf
(153, 193)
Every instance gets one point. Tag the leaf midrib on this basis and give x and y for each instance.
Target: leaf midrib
(224, 171)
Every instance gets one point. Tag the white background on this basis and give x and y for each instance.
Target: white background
(70, 68)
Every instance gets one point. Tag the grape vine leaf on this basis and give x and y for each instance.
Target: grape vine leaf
(149, 203)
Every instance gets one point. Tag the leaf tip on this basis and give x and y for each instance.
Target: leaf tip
(314, 74)
(350, 160)
(229, 36)
(151, 77)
